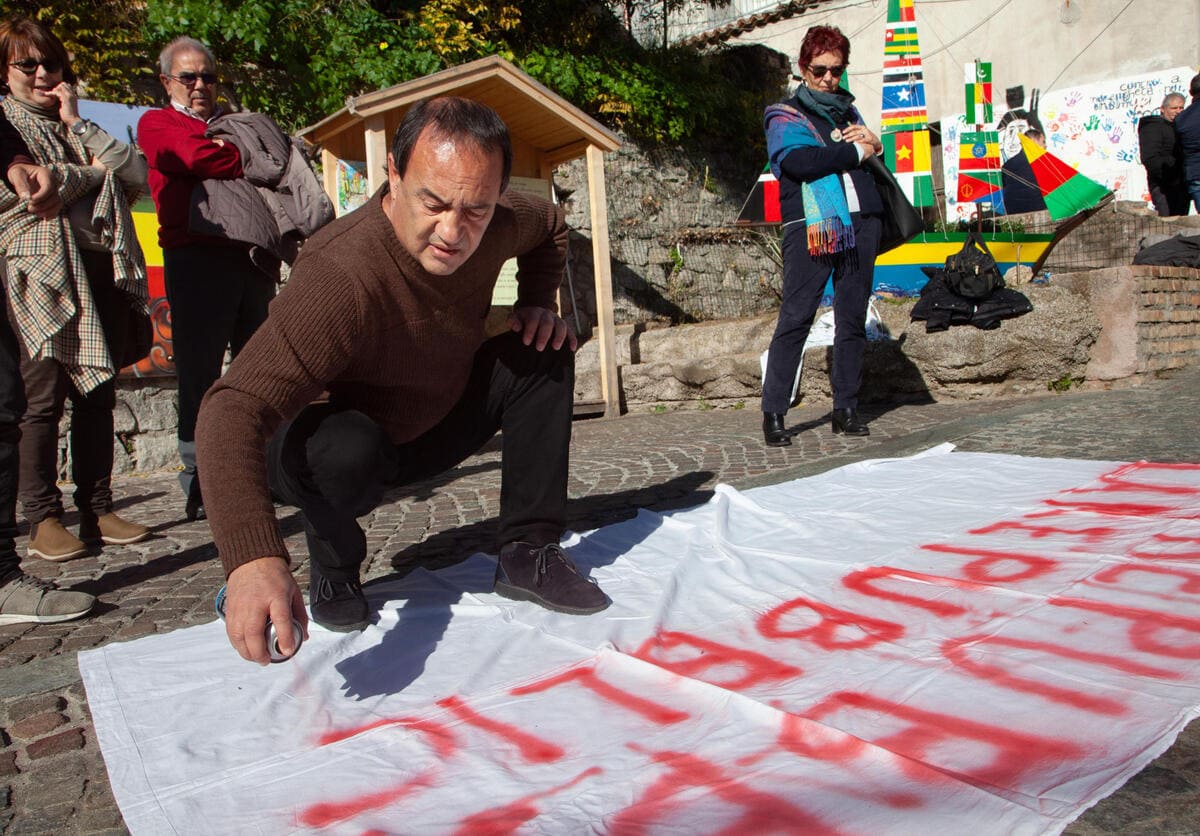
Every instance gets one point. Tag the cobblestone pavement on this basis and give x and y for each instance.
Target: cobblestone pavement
(52, 776)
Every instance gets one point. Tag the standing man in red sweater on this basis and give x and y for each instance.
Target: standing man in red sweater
(384, 311)
(218, 295)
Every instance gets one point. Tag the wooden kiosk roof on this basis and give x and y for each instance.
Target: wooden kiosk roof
(535, 115)
(546, 131)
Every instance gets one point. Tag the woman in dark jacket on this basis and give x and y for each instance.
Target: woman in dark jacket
(832, 223)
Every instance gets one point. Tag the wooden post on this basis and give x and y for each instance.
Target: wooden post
(329, 176)
(605, 325)
(546, 172)
(377, 148)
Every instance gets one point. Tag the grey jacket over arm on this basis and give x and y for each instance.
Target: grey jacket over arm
(275, 205)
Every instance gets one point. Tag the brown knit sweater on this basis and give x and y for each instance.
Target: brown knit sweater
(361, 319)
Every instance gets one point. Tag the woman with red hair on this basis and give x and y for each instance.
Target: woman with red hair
(832, 220)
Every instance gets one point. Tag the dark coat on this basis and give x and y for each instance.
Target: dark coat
(275, 204)
(1160, 151)
(1179, 251)
(809, 164)
(1187, 128)
(940, 307)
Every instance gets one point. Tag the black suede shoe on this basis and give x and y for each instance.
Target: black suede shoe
(774, 433)
(847, 421)
(546, 576)
(194, 509)
(336, 605)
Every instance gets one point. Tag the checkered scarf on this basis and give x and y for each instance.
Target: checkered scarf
(47, 286)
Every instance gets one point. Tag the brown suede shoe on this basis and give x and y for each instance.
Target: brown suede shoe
(111, 529)
(50, 541)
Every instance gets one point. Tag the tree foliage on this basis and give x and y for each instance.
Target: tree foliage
(299, 60)
(295, 59)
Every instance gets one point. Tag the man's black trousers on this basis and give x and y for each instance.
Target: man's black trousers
(336, 464)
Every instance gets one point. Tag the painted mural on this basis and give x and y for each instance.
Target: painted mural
(159, 362)
(1091, 127)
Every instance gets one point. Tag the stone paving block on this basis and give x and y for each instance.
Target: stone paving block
(56, 744)
(95, 821)
(36, 726)
(21, 708)
(52, 820)
(35, 645)
(62, 789)
(74, 644)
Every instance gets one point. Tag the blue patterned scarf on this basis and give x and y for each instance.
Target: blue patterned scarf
(826, 215)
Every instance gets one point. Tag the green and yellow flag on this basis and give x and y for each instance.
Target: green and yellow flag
(1064, 189)
(979, 92)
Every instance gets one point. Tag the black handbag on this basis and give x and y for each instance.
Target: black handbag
(971, 272)
(901, 221)
(137, 338)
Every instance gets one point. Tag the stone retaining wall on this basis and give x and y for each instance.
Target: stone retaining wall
(1100, 327)
(718, 363)
(675, 256)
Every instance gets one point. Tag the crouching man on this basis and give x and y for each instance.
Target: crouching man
(385, 311)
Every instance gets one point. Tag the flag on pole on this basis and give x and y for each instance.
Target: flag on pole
(762, 204)
(900, 11)
(904, 120)
(1065, 190)
(979, 92)
(909, 150)
(979, 177)
(908, 155)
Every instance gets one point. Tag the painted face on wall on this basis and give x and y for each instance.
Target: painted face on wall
(443, 204)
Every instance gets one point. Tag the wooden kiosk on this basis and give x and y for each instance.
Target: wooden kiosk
(546, 131)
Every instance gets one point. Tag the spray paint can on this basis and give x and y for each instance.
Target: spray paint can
(277, 655)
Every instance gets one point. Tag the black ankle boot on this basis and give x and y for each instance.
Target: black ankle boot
(774, 433)
(847, 421)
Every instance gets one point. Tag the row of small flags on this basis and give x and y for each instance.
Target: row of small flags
(979, 174)
(904, 120)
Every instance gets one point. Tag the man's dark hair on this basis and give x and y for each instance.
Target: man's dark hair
(454, 118)
(1194, 87)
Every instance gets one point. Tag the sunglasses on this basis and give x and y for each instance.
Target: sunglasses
(819, 71)
(190, 79)
(29, 65)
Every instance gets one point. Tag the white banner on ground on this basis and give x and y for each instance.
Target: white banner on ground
(957, 642)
